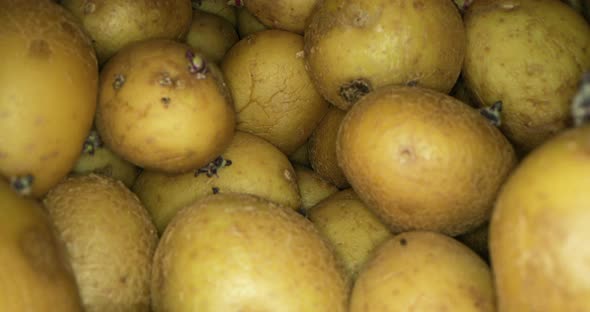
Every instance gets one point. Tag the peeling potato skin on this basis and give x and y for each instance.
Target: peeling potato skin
(383, 42)
(35, 272)
(49, 79)
(530, 55)
(130, 21)
(273, 94)
(161, 116)
(289, 15)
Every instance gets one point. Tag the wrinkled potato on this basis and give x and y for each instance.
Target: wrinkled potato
(312, 188)
(49, 79)
(249, 165)
(273, 94)
(248, 23)
(529, 55)
(163, 107)
(211, 34)
(113, 24)
(289, 15)
(355, 46)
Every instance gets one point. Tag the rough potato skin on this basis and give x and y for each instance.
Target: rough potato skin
(423, 160)
(539, 229)
(530, 55)
(237, 252)
(49, 79)
(355, 46)
(113, 24)
(289, 15)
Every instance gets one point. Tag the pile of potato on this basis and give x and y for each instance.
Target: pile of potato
(294, 155)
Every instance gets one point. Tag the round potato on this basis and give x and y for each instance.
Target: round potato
(423, 271)
(539, 228)
(423, 160)
(530, 56)
(273, 94)
(220, 8)
(248, 23)
(322, 148)
(289, 15)
(113, 24)
(110, 239)
(312, 188)
(212, 35)
(352, 228)
(237, 252)
(355, 46)
(49, 79)
(249, 165)
(35, 273)
(162, 106)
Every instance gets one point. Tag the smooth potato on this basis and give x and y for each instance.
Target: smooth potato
(211, 34)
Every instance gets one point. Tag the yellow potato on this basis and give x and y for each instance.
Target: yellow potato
(49, 77)
(273, 94)
(352, 228)
(249, 165)
(211, 34)
(113, 24)
(248, 23)
(423, 271)
(312, 188)
(218, 7)
(289, 15)
(35, 273)
(162, 107)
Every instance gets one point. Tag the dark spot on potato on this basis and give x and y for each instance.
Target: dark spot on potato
(123, 279)
(215, 190)
(166, 101)
(412, 83)
(418, 5)
(119, 81)
(403, 242)
(40, 250)
(22, 184)
(49, 156)
(354, 90)
(39, 49)
(89, 7)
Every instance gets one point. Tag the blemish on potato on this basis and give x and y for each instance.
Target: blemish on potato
(509, 5)
(300, 54)
(39, 49)
(166, 101)
(403, 242)
(288, 175)
(354, 90)
(165, 80)
(22, 184)
(118, 82)
(89, 7)
(215, 190)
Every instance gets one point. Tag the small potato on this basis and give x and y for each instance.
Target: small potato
(289, 15)
(249, 165)
(351, 227)
(218, 7)
(211, 34)
(423, 271)
(48, 79)
(312, 188)
(162, 107)
(273, 94)
(113, 24)
(248, 23)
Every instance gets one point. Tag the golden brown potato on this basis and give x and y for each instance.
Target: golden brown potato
(539, 229)
(211, 34)
(113, 24)
(423, 271)
(35, 273)
(249, 165)
(273, 94)
(289, 15)
(238, 252)
(530, 55)
(49, 77)
(355, 46)
(423, 160)
(110, 240)
(312, 188)
(164, 107)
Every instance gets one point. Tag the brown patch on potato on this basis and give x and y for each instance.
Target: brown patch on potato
(39, 49)
(354, 90)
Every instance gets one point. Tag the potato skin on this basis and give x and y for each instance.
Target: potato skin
(34, 266)
(113, 24)
(211, 34)
(539, 228)
(289, 15)
(155, 113)
(530, 55)
(312, 187)
(49, 79)
(354, 47)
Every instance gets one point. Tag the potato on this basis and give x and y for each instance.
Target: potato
(355, 46)
(96, 158)
(113, 24)
(351, 227)
(162, 106)
(218, 7)
(110, 240)
(423, 160)
(237, 252)
(248, 23)
(289, 15)
(539, 228)
(423, 271)
(273, 94)
(49, 77)
(212, 35)
(529, 55)
(35, 274)
(322, 148)
(249, 165)
(312, 188)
